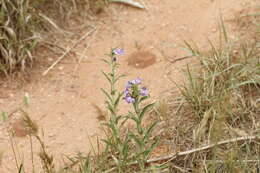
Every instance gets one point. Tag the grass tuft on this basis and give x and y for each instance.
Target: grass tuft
(221, 103)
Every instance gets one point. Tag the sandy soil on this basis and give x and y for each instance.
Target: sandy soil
(61, 102)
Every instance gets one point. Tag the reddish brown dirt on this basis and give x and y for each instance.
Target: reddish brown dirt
(62, 101)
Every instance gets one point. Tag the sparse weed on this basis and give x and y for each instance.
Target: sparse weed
(31, 129)
(125, 148)
(120, 144)
(221, 102)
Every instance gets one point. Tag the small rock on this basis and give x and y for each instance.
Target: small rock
(51, 135)
(244, 3)
(214, 30)
(164, 24)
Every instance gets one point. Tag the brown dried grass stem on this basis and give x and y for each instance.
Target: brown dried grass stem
(68, 51)
(173, 156)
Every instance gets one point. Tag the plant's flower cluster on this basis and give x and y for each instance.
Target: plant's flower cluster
(144, 91)
(132, 90)
(118, 51)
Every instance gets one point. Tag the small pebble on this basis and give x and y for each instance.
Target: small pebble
(61, 68)
(214, 30)
(51, 135)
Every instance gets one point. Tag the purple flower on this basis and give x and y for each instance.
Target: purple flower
(144, 91)
(128, 85)
(118, 51)
(136, 81)
(132, 91)
(129, 99)
(126, 92)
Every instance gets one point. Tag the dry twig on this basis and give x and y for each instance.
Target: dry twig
(68, 51)
(175, 155)
(129, 2)
(85, 49)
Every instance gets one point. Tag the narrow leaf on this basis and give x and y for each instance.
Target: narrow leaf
(108, 96)
(4, 116)
(145, 109)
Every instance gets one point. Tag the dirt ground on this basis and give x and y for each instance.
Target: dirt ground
(61, 102)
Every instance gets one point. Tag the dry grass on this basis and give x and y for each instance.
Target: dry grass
(211, 126)
(21, 23)
(219, 101)
(17, 35)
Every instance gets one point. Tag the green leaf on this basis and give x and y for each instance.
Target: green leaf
(156, 142)
(222, 26)
(111, 108)
(118, 118)
(124, 121)
(119, 77)
(149, 130)
(108, 96)
(26, 99)
(192, 50)
(118, 99)
(145, 109)
(136, 139)
(114, 129)
(125, 149)
(107, 142)
(135, 119)
(106, 61)
(107, 77)
(150, 149)
(143, 98)
(4, 116)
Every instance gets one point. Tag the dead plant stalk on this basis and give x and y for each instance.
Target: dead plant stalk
(69, 50)
(176, 155)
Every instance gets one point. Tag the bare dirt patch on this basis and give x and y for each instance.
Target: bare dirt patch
(141, 59)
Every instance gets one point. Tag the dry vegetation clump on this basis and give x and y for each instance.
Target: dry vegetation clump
(22, 21)
(17, 35)
(222, 103)
(215, 123)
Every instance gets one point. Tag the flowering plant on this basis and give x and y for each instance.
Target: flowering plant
(119, 143)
